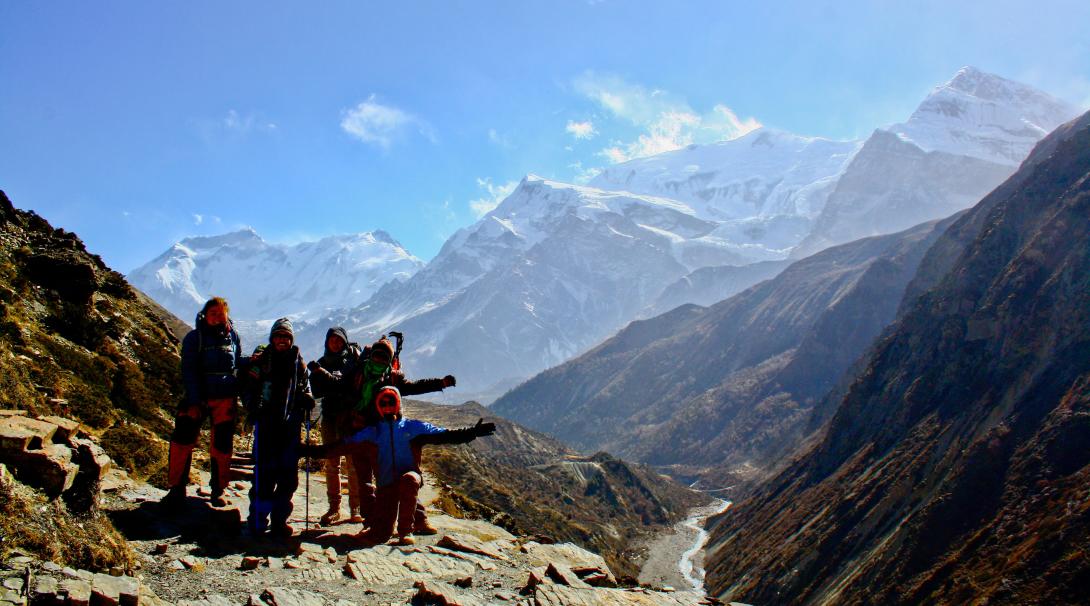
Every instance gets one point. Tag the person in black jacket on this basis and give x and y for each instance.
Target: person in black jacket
(211, 359)
(278, 400)
(339, 360)
(374, 371)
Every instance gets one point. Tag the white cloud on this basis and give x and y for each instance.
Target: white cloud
(372, 122)
(495, 195)
(243, 124)
(581, 130)
(496, 138)
(198, 219)
(667, 120)
(582, 176)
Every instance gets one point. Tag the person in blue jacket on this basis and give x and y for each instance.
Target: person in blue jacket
(278, 400)
(211, 359)
(395, 444)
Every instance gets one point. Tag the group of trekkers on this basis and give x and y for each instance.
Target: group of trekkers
(361, 422)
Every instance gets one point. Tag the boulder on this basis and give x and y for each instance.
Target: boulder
(67, 429)
(459, 542)
(19, 433)
(49, 469)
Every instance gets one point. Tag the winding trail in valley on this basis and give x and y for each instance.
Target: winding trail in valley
(676, 558)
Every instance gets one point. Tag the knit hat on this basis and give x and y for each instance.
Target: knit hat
(283, 325)
(383, 344)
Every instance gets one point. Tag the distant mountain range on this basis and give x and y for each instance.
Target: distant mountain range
(263, 281)
(954, 467)
(556, 268)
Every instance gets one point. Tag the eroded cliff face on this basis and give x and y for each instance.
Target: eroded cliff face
(955, 468)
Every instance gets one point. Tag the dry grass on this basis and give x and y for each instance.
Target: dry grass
(31, 524)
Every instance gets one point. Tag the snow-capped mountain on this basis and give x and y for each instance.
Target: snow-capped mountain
(966, 137)
(264, 281)
(764, 189)
(556, 268)
(551, 271)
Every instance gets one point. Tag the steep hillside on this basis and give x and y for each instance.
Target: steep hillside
(79, 341)
(955, 469)
(532, 484)
(731, 385)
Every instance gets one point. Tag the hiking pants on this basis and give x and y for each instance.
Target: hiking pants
(395, 503)
(187, 427)
(276, 474)
(330, 434)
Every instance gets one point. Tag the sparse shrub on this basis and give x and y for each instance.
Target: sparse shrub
(137, 451)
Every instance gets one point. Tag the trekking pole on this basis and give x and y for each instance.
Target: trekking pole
(306, 492)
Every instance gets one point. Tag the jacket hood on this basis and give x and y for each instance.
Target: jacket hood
(340, 332)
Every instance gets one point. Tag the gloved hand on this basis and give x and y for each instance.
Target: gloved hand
(313, 366)
(482, 429)
(449, 381)
(306, 401)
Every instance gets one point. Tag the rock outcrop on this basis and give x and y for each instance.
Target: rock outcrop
(955, 468)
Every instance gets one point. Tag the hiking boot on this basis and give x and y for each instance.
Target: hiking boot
(354, 516)
(174, 498)
(425, 528)
(330, 517)
(217, 500)
(281, 531)
(405, 540)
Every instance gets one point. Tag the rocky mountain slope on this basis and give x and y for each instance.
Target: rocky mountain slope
(532, 484)
(966, 137)
(556, 268)
(955, 469)
(731, 386)
(197, 557)
(78, 341)
(263, 281)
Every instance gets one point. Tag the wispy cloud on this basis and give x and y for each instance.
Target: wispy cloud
(246, 123)
(668, 121)
(581, 175)
(378, 124)
(495, 194)
(198, 219)
(581, 130)
(499, 139)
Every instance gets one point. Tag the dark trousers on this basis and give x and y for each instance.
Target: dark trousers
(276, 473)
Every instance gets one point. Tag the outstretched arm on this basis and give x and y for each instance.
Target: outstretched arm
(456, 436)
(412, 388)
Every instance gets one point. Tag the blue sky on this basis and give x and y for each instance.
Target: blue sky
(135, 124)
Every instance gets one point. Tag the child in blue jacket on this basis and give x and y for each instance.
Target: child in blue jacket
(395, 445)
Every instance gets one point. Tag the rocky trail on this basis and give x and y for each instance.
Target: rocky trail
(202, 556)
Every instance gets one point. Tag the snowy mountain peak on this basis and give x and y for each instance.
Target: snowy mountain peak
(984, 116)
(263, 281)
(243, 237)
